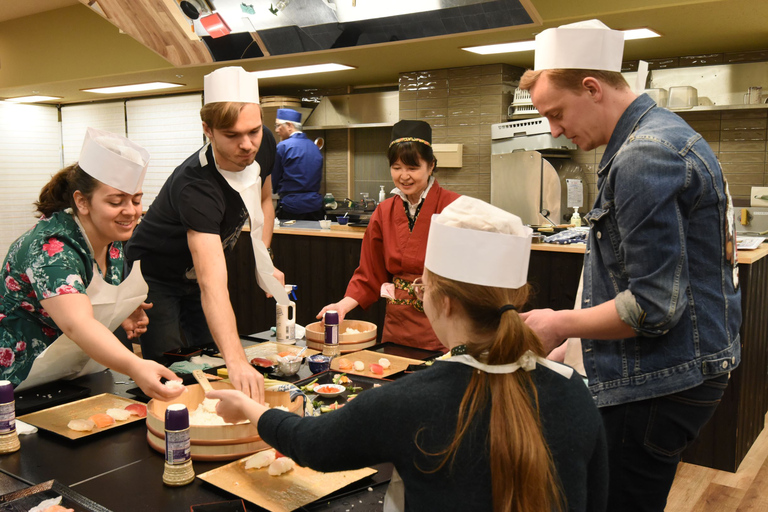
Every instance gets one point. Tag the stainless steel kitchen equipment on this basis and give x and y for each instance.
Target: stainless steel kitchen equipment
(527, 168)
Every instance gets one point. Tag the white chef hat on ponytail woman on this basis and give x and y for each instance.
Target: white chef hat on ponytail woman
(474, 242)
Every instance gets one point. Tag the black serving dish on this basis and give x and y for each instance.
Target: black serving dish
(327, 378)
(30, 497)
(394, 349)
(48, 395)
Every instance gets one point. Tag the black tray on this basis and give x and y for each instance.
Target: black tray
(48, 395)
(186, 379)
(326, 377)
(25, 499)
(394, 349)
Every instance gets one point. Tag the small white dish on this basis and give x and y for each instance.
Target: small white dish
(329, 390)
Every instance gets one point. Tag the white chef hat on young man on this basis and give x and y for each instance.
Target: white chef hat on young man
(114, 160)
(231, 83)
(474, 242)
(583, 45)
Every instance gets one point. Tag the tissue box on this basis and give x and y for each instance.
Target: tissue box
(683, 96)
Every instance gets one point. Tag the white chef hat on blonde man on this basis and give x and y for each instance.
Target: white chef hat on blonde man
(583, 45)
(474, 242)
(114, 160)
(231, 83)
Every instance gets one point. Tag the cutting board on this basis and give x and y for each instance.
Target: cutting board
(282, 493)
(55, 419)
(397, 363)
(337, 227)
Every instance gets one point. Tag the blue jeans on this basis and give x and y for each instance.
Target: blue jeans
(646, 438)
(176, 310)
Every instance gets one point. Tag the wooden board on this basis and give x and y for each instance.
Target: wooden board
(347, 227)
(55, 419)
(397, 363)
(283, 493)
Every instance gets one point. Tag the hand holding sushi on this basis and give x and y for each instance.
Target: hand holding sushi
(147, 373)
(234, 406)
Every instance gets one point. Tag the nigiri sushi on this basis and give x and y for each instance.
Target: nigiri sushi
(102, 420)
(384, 362)
(119, 414)
(139, 410)
(81, 425)
(260, 459)
(359, 366)
(280, 466)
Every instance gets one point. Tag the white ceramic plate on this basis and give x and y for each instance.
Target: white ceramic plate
(337, 390)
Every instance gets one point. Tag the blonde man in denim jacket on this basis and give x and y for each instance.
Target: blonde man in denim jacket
(661, 307)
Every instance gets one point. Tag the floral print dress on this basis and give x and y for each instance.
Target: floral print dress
(53, 258)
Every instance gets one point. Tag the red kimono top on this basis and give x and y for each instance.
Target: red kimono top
(390, 251)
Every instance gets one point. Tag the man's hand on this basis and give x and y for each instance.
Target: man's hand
(247, 379)
(544, 323)
(136, 323)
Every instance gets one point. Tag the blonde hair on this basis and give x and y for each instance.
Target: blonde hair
(523, 476)
(571, 79)
(221, 115)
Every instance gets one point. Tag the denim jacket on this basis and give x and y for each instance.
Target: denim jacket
(662, 244)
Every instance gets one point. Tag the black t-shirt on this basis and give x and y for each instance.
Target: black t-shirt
(194, 197)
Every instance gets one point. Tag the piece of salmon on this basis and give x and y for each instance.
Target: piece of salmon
(102, 419)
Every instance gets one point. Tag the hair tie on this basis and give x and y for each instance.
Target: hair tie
(506, 307)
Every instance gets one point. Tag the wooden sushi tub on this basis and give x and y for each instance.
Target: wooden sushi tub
(366, 338)
(214, 442)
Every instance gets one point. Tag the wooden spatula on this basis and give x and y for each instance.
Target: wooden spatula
(202, 380)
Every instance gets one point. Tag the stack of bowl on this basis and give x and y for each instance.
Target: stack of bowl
(214, 442)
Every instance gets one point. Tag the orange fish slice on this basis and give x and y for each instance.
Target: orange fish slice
(102, 420)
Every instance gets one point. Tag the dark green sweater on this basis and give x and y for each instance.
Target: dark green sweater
(381, 424)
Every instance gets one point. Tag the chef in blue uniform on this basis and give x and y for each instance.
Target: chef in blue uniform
(298, 170)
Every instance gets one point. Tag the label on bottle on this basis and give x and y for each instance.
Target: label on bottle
(7, 418)
(178, 449)
(331, 334)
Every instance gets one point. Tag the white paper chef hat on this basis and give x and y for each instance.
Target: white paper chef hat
(583, 45)
(474, 242)
(114, 160)
(232, 83)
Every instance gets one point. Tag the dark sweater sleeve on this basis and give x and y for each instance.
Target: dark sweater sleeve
(348, 438)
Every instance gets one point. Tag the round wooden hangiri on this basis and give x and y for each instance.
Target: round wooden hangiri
(177, 475)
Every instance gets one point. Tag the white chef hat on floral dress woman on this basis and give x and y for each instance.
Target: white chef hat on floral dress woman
(474, 242)
(114, 160)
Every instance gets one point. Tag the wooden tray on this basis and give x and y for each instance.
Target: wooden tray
(270, 349)
(283, 493)
(397, 363)
(55, 419)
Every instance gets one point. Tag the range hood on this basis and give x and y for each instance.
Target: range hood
(363, 110)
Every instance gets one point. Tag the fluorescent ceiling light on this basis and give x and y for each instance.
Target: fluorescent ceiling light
(640, 33)
(525, 46)
(491, 49)
(301, 70)
(149, 86)
(32, 99)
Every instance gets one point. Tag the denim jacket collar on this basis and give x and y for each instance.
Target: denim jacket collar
(624, 128)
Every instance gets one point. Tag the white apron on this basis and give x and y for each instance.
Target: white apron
(394, 499)
(247, 183)
(64, 359)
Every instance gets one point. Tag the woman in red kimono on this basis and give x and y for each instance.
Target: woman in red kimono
(395, 242)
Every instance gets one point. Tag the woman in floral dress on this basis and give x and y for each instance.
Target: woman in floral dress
(87, 211)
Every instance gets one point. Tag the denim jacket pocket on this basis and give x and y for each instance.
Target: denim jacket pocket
(606, 241)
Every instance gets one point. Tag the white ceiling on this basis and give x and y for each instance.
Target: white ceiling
(101, 56)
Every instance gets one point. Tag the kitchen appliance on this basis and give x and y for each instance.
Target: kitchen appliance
(532, 174)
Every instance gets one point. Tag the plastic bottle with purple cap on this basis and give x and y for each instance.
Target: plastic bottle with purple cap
(178, 447)
(9, 438)
(331, 321)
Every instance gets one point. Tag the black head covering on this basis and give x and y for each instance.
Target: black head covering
(409, 130)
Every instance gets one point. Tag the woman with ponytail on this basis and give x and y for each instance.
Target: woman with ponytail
(492, 426)
(62, 291)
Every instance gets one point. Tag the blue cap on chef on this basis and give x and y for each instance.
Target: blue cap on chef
(287, 115)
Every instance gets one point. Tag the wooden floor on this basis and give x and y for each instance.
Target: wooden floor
(700, 489)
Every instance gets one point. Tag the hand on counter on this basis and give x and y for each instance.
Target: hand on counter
(234, 406)
(147, 374)
(247, 379)
(343, 307)
(136, 324)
